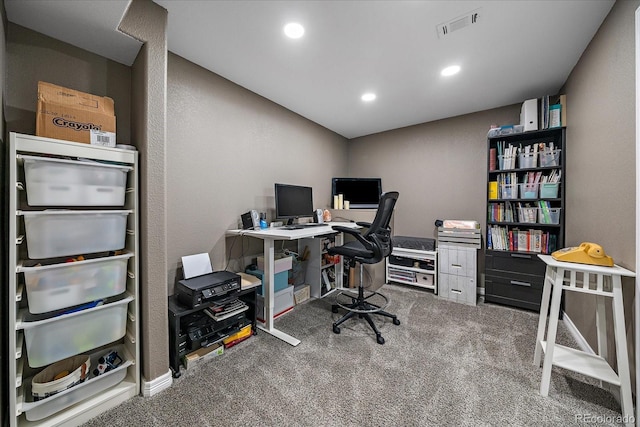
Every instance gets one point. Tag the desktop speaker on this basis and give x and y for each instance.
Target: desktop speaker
(318, 216)
(250, 219)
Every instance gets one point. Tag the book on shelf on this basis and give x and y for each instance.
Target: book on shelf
(562, 101)
(517, 240)
(549, 105)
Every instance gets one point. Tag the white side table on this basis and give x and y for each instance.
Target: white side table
(606, 283)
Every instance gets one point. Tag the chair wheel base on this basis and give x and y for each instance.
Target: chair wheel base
(336, 329)
(379, 339)
(396, 321)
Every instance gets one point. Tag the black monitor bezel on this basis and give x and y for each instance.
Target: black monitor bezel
(354, 202)
(292, 216)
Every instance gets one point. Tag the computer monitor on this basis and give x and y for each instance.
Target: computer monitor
(293, 201)
(362, 193)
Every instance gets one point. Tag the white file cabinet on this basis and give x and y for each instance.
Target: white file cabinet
(457, 268)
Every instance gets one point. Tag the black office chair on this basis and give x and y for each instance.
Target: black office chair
(370, 247)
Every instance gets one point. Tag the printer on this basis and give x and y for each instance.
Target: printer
(200, 290)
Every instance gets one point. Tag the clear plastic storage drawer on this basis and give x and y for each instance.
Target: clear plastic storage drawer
(54, 233)
(57, 286)
(93, 385)
(61, 182)
(56, 338)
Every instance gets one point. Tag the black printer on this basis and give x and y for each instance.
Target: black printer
(200, 290)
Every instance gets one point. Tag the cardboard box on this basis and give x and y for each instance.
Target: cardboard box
(283, 303)
(301, 293)
(281, 263)
(201, 354)
(72, 115)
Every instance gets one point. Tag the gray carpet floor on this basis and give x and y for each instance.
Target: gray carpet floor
(446, 364)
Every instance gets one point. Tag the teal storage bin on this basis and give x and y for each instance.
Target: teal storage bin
(281, 280)
(549, 190)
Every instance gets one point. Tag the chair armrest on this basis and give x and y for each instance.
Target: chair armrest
(363, 224)
(354, 232)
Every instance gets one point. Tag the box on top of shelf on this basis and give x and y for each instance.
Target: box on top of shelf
(61, 182)
(282, 263)
(71, 115)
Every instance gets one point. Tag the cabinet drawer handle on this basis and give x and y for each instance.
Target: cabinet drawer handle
(521, 256)
(456, 265)
(456, 291)
(519, 283)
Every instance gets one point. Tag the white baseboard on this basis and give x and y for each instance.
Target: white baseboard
(155, 386)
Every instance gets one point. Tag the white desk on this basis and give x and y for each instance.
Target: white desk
(269, 236)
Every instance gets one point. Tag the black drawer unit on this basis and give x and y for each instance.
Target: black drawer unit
(514, 279)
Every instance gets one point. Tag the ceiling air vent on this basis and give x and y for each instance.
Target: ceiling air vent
(458, 23)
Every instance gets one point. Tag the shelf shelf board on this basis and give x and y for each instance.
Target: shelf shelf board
(542, 168)
(417, 270)
(524, 200)
(522, 224)
(407, 282)
(584, 363)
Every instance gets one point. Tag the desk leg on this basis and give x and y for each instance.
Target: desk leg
(544, 309)
(269, 295)
(551, 334)
(601, 328)
(621, 352)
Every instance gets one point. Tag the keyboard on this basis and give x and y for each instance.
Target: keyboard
(301, 226)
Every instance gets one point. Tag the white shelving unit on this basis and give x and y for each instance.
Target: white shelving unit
(420, 268)
(318, 267)
(91, 331)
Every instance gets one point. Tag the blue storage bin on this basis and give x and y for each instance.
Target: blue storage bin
(281, 280)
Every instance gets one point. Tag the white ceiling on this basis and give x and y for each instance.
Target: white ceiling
(517, 50)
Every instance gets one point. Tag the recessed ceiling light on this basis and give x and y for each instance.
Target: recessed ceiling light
(450, 71)
(294, 30)
(368, 97)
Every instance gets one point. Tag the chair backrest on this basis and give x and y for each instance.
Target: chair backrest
(379, 233)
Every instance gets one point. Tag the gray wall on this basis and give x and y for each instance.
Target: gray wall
(439, 168)
(147, 22)
(226, 147)
(601, 203)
